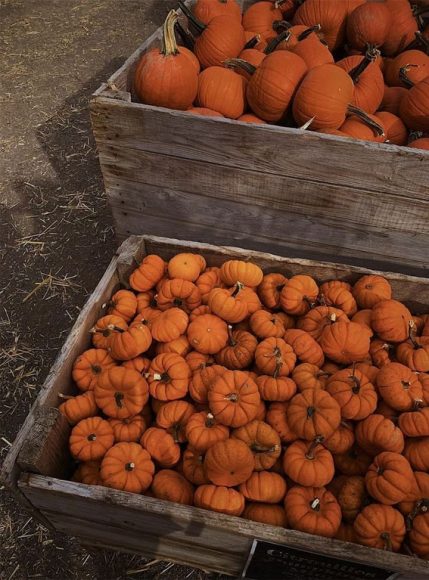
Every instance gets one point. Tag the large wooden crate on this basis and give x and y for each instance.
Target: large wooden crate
(263, 187)
(38, 460)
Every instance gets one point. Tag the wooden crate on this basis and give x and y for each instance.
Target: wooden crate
(37, 463)
(262, 187)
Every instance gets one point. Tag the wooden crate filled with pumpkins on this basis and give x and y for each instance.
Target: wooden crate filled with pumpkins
(294, 126)
(209, 396)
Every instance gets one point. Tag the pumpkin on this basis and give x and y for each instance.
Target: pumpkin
(174, 417)
(273, 84)
(145, 300)
(273, 515)
(380, 526)
(402, 33)
(353, 462)
(419, 535)
(121, 392)
(389, 478)
(104, 329)
(367, 128)
(260, 17)
(88, 367)
(329, 14)
(207, 281)
(341, 440)
(380, 352)
(234, 398)
(399, 387)
(223, 90)
(265, 324)
(277, 418)
(88, 473)
(77, 408)
(345, 342)
(130, 429)
(415, 423)
(169, 325)
(270, 288)
(264, 486)
(324, 96)
(227, 304)
(309, 376)
(377, 433)
(414, 107)
(414, 353)
(124, 304)
(275, 357)
(368, 370)
(186, 266)
(127, 344)
(418, 499)
(167, 77)
(200, 311)
(387, 411)
(313, 510)
(353, 392)
(203, 431)
(371, 289)
(128, 467)
(178, 346)
(90, 439)
(367, 79)
(368, 24)
(392, 99)
(161, 446)
(298, 295)
(313, 414)
(208, 334)
(148, 274)
(262, 440)
(221, 38)
(313, 51)
(229, 463)
(240, 350)
(416, 451)
(201, 382)
(340, 298)
(363, 317)
(419, 143)
(315, 321)
(304, 346)
(169, 376)
(345, 533)
(193, 466)
(172, 486)
(407, 69)
(219, 499)
(275, 388)
(140, 364)
(352, 497)
(206, 10)
(248, 274)
(308, 464)
(248, 118)
(179, 293)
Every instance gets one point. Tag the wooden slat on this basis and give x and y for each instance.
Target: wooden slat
(264, 148)
(195, 527)
(162, 211)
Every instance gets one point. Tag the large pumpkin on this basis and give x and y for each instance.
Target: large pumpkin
(414, 108)
(222, 90)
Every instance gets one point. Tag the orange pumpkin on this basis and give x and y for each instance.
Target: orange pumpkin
(277, 418)
(223, 90)
(416, 451)
(309, 376)
(172, 486)
(161, 446)
(178, 346)
(341, 440)
(206, 10)
(104, 328)
(345, 342)
(178, 293)
(174, 417)
(219, 499)
(396, 131)
(315, 321)
(380, 352)
(376, 434)
(389, 478)
(368, 24)
(227, 304)
(298, 294)
(229, 463)
(130, 429)
(240, 350)
(380, 526)
(88, 367)
(270, 288)
(308, 464)
(186, 266)
(418, 499)
(90, 439)
(399, 387)
(353, 392)
(193, 466)
(313, 510)
(304, 346)
(339, 297)
(351, 496)
(169, 376)
(371, 289)
(402, 33)
(121, 392)
(203, 431)
(201, 382)
(207, 281)
(234, 398)
(128, 467)
(391, 320)
(353, 462)
(312, 414)
(275, 357)
(275, 388)
(127, 344)
(419, 535)
(248, 274)
(208, 334)
(198, 361)
(262, 440)
(124, 304)
(148, 274)
(415, 423)
(265, 513)
(265, 324)
(77, 408)
(414, 353)
(264, 486)
(169, 325)
(88, 473)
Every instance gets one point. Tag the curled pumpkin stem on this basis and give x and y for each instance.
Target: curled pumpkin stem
(403, 76)
(281, 26)
(411, 329)
(310, 451)
(352, 110)
(169, 44)
(241, 64)
(370, 56)
(238, 288)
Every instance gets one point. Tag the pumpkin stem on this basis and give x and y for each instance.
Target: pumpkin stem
(256, 448)
(186, 35)
(411, 328)
(387, 541)
(309, 31)
(322, 374)
(315, 504)
(406, 385)
(237, 289)
(370, 56)
(65, 397)
(274, 43)
(169, 44)
(310, 412)
(281, 26)
(114, 328)
(421, 39)
(352, 110)
(253, 41)
(163, 377)
(96, 369)
(279, 361)
(210, 420)
(233, 397)
(92, 437)
(130, 466)
(240, 63)
(175, 432)
(309, 302)
(232, 342)
(310, 451)
(404, 77)
(178, 302)
(118, 399)
(198, 25)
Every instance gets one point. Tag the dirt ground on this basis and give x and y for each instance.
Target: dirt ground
(56, 235)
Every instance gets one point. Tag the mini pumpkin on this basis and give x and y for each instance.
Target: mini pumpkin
(380, 526)
(219, 499)
(298, 294)
(415, 423)
(262, 440)
(353, 392)
(201, 382)
(265, 513)
(376, 434)
(148, 274)
(309, 464)
(275, 357)
(239, 352)
(391, 320)
(233, 271)
(419, 535)
(265, 324)
(227, 304)
(88, 473)
(104, 328)
(169, 325)
(88, 367)
(309, 376)
(202, 431)
(270, 288)
(399, 387)
(129, 429)
(198, 361)
(77, 408)
(389, 478)
(234, 398)
(90, 439)
(352, 497)
(124, 304)
(275, 388)
(178, 293)
(169, 377)
(264, 486)
(416, 451)
(380, 352)
(178, 346)
(207, 281)
(339, 297)
(304, 346)
(229, 463)
(172, 486)
(315, 321)
(414, 353)
(128, 467)
(418, 499)
(193, 466)
(313, 414)
(127, 344)
(342, 439)
(313, 510)
(161, 446)
(121, 392)
(345, 342)
(186, 266)
(174, 417)
(208, 334)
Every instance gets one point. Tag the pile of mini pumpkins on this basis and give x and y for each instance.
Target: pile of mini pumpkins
(276, 399)
(352, 68)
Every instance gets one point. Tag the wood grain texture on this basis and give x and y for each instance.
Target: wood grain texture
(209, 533)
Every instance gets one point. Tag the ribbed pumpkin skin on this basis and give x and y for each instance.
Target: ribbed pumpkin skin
(330, 14)
(405, 26)
(414, 108)
(392, 99)
(422, 143)
(356, 128)
(416, 63)
(368, 24)
(313, 52)
(396, 131)
(325, 93)
(206, 10)
(167, 80)
(259, 18)
(222, 39)
(369, 88)
(272, 86)
(222, 90)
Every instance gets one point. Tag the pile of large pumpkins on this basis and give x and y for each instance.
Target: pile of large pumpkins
(352, 68)
(284, 401)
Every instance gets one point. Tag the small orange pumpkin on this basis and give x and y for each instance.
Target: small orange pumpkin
(169, 325)
(389, 478)
(264, 486)
(277, 418)
(265, 324)
(313, 510)
(308, 464)
(148, 274)
(275, 388)
(229, 463)
(208, 334)
(304, 346)
(415, 423)
(399, 387)
(121, 392)
(309, 376)
(219, 499)
(174, 417)
(128, 467)
(124, 304)
(298, 294)
(172, 486)
(81, 407)
(88, 367)
(353, 392)
(201, 382)
(127, 344)
(203, 431)
(130, 429)
(161, 446)
(103, 330)
(315, 321)
(376, 434)
(270, 288)
(265, 513)
(346, 342)
(262, 440)
(234, 398)
(391, 320)
(169, 376)
(193, 466)
(90, 439)
(246, 273)
(353, 462)
(380, 526)
(313, 414)
(275, 357)
(239, 352)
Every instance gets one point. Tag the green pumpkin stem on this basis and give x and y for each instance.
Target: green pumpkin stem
(169, 44)
(274, 43)
(186, 35)
(197, 24)
(352, 110)
(240, 63)
(252, 42)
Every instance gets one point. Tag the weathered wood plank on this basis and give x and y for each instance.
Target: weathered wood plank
(193, 525)
(247, 186)
(265, 148)
(172, 213)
